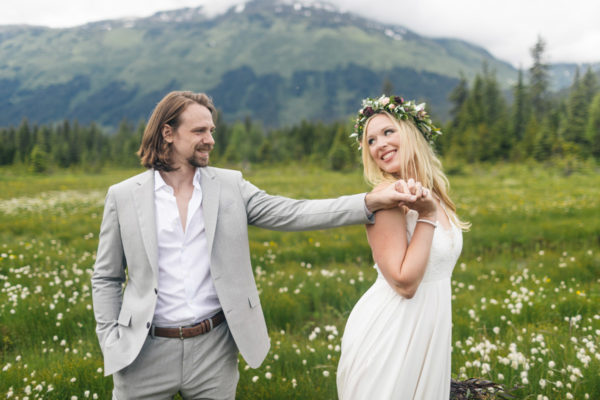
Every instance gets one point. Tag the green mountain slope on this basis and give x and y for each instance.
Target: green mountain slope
(277, 63)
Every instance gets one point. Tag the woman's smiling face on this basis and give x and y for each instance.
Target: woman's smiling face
(384, 143)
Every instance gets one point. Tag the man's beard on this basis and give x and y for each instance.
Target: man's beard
(197, 162)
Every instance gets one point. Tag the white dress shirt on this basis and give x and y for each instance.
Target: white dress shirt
(186, 293)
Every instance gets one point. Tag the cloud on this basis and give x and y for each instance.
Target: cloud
(68, 13)
(507, 29)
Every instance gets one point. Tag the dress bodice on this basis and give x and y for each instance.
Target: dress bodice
(445, 248)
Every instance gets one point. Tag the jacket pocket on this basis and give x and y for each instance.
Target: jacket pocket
(253, 300)
(124, 318)
(112, 337)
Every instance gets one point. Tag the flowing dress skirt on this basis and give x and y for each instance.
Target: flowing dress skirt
(397, 348)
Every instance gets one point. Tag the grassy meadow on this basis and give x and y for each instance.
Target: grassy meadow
(526, 290)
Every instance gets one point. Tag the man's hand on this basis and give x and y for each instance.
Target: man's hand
(389, 195)
(401, 193)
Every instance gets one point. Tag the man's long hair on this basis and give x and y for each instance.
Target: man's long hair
(154, 151)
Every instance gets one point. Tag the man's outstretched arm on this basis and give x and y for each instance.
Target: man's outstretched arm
(280, 213)
(389, 196)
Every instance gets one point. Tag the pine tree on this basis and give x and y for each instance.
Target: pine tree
(236, 147)
(480, 126)
(323, 139)
(593, 127)
(577, 110)
(38, 160)
(254, 141)
(8, 146)
(265, 152)
(340, 155)
(496, 144)
(44, 138)
(221, 135)
(124, 145)
(529, 140)
(520, 109)
(97, 145)
(24, 141)
(305, 135)
(60, 149)
(457, 98)
(546, 140)
(470, 150)
(75, 144)
(538, 80)
(590, 84)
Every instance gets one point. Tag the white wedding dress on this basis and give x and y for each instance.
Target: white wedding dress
(398, 348)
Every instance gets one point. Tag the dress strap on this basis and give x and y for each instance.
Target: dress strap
(446, 212)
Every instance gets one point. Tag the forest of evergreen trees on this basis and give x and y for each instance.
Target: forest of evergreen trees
(537, 124)
(485, 126)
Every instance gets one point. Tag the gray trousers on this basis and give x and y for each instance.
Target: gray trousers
(202, 367)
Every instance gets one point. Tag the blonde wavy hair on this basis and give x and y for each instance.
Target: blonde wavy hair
(418, 162)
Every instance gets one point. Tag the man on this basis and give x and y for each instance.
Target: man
(180, 231)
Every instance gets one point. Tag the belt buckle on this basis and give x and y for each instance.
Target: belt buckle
(181, 333)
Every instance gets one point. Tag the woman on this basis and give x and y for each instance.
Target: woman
(396, 344)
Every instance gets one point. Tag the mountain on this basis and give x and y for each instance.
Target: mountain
(278, 63)
(562, 74)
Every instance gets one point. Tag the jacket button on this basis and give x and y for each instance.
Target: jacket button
(148, 325)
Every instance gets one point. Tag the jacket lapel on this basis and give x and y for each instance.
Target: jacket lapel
(210, 203)
(143, 196)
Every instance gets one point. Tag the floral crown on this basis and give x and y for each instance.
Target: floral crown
(401, 110)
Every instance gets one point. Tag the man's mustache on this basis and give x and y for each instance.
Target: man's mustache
(203, 148)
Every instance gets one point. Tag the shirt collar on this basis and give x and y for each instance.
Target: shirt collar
(160, 183)
(197, 179)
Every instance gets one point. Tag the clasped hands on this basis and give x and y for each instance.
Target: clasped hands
(409, 193)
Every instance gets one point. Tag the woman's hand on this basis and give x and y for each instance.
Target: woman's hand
(424, 203)
(387, 195)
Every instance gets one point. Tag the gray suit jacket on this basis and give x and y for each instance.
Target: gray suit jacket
(127, 254)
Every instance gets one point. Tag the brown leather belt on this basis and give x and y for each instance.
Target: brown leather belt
(184, 332)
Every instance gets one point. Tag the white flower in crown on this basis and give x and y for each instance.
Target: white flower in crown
(396, 106)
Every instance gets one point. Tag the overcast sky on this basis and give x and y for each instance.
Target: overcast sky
(507, 28)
